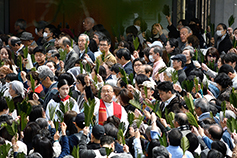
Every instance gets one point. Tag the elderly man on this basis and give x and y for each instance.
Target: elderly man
(71, 56)
(83, 42)
(184, 33)
(179, 61)
(106, 107)
(46, 77)
(88, 24)
(189, 53)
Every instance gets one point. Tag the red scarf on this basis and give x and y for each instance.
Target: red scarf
(103, 114)
(64, 99)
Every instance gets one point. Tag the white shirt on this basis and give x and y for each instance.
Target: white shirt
(110, 112)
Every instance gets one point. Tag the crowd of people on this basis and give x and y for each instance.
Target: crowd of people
(135, 85)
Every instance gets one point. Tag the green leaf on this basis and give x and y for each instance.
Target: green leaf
(72, 43)
(155, 108)
(122, 126)
(103, 56)
(231, 124)
(211, 115)
(189, 103)
(211, 65)
(166, 10)
(108, 151)
(145, 90)
(231, 20)
(19, 62)
(32, 81)
(25, 107)
(121, 137)
(23, 120)
(234, 43)
(60, 116)
(135, 43)
(163, 140)
(130, 76)
(131, 117)
(75, 151)
(56, 124)
(10, 104)
(188, 85)
(124, 75)
(32, 58)
(86, 46)
(63, 54)
(25, 51)
(21, 155)
(191, 119)
(159, 18)
(184, 144)
(170, 119)
(223, 108)
(139, 121)
(233, 98)
(135, 103)
(88, 68)
(81, 68)
(196, 83)
(162, 69)
(4, 150)
(52, 111)
(212, 25)
(33, 69)
(89, 111)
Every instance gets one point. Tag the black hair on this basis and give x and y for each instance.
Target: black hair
(146, 51)
(67, 76)
(223, 80)
(116, 68)
(165, 86)
(193, 40)
(213, 51)
(15, 41)
(106, 39)
(123, 53)
(223, 25)
(123, 84)
(61, 83)
(175, 137)
(158, 50)
(225, 68)
(40, 49)
(31, 129)
(102, 72)
(198, 73)
(51, 28)
(36, 112)
(11, 77)
(3, 104)
(125, 96)
(184, 22)
(21, 23)
(66, 41)
(106, 140)
(42, 122)
(111, 130)
(81, 79)
(181, 118)
(132, 30)
(43, 146)
(100, 35)
(8, 52)
(140, 78)
(230, 57)
(216, 131)
(215, 154)
(69, 118)
(219, 146)
(193, 141)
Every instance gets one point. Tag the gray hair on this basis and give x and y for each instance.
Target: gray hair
(18, 87)
(191, 50)
(157, 49)
(169, 71)
(160, 151)
(46, 73)
(91, 20)
(188, 28)
(100, 35)
(203, 104)
(87, 37)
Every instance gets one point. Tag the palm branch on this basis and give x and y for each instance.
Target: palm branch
(223, 108)
(75, 151)
(231, 124)
(191, 119)
(162, 69)
(108, 151)
(131, 117)
(163, 140)
(188, 85)
(135, 103)
(10, 104)
(139, 121)
(121, 137)
(233, 98)
(25, 51)
(231, 20)
(32, 81)
(184, 144)
(4, 150)
(166, 10)
(52, 111)
(170, 119)
(174, 76)
(135, 43)
(124, 75)
(63, 54)
(145, 91)
(89, 111)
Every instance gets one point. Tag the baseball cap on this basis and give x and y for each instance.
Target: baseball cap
(80, 120)
(98, 131)
(180, 57)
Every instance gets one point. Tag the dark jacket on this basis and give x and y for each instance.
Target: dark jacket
(65, 147)
(224, 45)
(81, 56)
(225, 95)
(189, 67)
(70, 60)
(128, 68)
(182, 76)
(173, 31)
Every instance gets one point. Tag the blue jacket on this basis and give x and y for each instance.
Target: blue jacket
(128, 68)
(65, 147)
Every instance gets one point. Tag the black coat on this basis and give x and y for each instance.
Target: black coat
(224, 45)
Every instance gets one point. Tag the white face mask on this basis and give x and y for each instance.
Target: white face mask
(114, 77)
(218, 33)
(45, 35)
(151, 58)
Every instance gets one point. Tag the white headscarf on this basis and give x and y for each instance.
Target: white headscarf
(18, 87)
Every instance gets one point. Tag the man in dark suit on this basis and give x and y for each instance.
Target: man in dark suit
(72, 56)
(123, 57)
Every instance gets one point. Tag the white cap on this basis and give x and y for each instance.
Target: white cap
(156, 43)
(148, 84)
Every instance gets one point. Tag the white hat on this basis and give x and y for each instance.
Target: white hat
(148, 84)
(156, 43)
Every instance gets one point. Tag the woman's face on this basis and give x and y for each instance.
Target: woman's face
(211, 58)
(137, 66)
(219, 64)
(168, 48)
(51, 67)
(63, 91)
(11, 91)
(79, 85)
(154, 30)
(4, 53)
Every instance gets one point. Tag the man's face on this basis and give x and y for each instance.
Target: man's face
(104, 46)
(164, 96)
(184, 35)
(149, 92)
(96, 38)
(153, 53)
(87, 25)
(82, 42)
(40, 57)
(187, 54)
(107, 93)
(48, 32)
(176, 64)
(26, 43)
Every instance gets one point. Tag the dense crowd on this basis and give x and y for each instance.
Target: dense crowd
(159, 93)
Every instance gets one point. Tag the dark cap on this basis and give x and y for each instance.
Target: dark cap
(180, 57)
(98, 131)
(25, 36)
(80, 120)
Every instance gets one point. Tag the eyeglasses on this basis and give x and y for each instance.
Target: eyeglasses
(103, 45)
(214, 56)
(43, 79)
